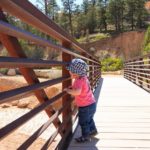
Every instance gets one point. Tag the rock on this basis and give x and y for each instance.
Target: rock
(23, 104)
(52, 73)
(11, 72)
(33, 102)
(5, 105)
(51, 92)
(27, 101)
(15, 103)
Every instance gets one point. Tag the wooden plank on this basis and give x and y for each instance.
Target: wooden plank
(7, 96)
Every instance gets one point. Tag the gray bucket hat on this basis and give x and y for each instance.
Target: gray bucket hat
(78, 66)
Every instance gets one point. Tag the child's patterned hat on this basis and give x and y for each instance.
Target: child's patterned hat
(78, 66)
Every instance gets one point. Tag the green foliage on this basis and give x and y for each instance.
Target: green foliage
(146, 46)
(31, 50)
(93, 37)
(3, 70)
(99, 36)
(136, 13)
(88, 18)
(96, 15)
(111, 64)
(68, 8)
(115, 13)
(49, 7)
(63, 21)
(91, 20)
(102, 18)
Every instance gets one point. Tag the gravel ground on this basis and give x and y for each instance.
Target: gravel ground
(7, 115)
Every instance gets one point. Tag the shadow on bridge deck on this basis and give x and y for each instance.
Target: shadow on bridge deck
(122, 117)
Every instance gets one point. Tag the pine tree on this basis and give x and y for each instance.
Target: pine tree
(68, 6)
(102, 14)
(115, 13)
(49, 7)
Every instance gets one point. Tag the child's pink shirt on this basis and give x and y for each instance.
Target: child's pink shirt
(86, 97)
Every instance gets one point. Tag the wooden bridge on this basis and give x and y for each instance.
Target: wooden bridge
(122, 108)
(122, 117)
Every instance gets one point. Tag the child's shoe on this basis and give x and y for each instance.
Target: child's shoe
(82, 139)
(93, 133)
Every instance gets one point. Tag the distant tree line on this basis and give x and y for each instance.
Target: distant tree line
(91, 16)
(96, 15)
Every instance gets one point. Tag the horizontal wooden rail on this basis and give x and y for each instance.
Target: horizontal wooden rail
(138, 71)
(139, 65)
(11, 62)
(141, 69)
(15, 93)
(132, 79)
(140, 78)
(14, 31)
(137, 61)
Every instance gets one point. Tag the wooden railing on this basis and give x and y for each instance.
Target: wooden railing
(9, 36)
(137, 70)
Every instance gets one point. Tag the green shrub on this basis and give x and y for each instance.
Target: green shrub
(32, 50)
(3, 70)
(93, 37)
(100, 36)
(111, 64)
(146, 46)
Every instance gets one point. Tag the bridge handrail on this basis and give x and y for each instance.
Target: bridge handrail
(66, 44)
(137, 70)
(31, 15)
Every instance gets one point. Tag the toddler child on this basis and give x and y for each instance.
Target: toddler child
(84, 98)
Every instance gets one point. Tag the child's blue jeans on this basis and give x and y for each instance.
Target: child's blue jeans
(86, 121)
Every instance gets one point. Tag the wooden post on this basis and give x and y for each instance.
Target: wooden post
(65, 84)
(148, 72)
(140, 78)
(91, 74)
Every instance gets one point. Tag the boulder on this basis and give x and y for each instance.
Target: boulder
(51, 92)
(11, 72)
(52, 73)
(5, 105)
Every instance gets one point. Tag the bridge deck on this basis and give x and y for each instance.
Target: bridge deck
(122, 118)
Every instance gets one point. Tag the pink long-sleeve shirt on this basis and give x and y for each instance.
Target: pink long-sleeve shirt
(86, 96)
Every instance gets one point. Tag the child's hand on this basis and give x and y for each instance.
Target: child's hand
(67, 89)
(73, 91)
